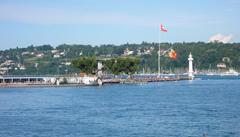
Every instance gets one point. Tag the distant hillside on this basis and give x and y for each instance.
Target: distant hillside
(45, 59)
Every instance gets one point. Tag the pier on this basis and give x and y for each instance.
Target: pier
(143, 80)
(47, 81)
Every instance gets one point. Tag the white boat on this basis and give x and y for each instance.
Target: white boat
(211, 74)
(230, 72)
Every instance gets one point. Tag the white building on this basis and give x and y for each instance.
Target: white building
(22, 67)
(66, 63)
(56, 56)
(139, 52)
(25, 53)
(40, 55)
(127, 52)
(62, 53)
(54, 51)
(221, 65)
(147, 52)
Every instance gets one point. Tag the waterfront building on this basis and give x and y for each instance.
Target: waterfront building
(127, 52)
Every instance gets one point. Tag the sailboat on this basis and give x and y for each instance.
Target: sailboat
(210, 72)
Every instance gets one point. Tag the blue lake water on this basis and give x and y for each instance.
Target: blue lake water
(208, 107)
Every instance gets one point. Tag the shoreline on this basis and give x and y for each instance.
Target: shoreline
(105, 82)
(39, 85)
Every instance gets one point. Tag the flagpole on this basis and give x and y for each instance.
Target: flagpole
(159, 66)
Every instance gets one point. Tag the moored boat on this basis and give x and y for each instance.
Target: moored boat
(230, 72)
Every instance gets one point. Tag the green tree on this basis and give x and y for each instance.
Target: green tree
(126, 65)
(86, 64)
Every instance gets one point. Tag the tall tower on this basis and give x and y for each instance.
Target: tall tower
(190, 68)
(99, 73)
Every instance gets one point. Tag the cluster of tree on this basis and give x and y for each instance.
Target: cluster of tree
(86, 64)
(122, 65)
(119, 65)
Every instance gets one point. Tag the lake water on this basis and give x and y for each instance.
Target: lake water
(208, 107)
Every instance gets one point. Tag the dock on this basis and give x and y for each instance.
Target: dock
(142, 80)
(75, 81)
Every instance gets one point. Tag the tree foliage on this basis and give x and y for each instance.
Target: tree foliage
(204, 54)
(86, 64)
(122, 65)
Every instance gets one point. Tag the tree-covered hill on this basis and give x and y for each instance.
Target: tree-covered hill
(46, 59)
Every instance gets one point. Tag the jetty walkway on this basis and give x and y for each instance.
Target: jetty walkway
(60, 81)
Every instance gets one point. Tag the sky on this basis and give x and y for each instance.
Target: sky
(96, 22)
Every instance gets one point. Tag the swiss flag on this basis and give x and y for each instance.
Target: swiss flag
(163, 29)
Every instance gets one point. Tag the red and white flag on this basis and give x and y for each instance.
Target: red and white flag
(163, 29)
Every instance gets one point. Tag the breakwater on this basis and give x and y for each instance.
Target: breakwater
(74, 81)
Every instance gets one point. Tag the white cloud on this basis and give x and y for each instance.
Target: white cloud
(221, 38)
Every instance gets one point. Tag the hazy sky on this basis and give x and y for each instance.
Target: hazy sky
(26, 22)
